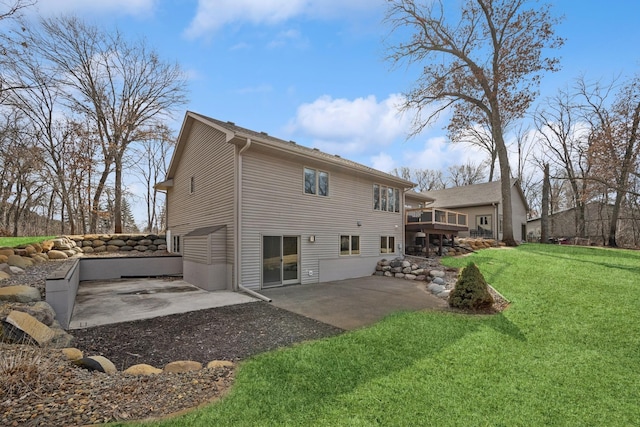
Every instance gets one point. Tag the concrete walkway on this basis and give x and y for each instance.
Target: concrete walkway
(112, 301)
(354, 303)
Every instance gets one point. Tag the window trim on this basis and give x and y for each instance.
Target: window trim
(386, 197)
(175, 244)
(352, 251)
(390, 244)
(316, 188)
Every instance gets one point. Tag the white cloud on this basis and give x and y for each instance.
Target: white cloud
(212, 15)
(383, 162)
(129, 7)
(438, 153)
(343, 126)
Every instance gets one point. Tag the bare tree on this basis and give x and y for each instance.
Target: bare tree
(567, 144)
(480, 136)
(616, 143)
(487, 66)
(123, 88)
(426, 179)
(154, 156)
(10, 10)
(467, 174)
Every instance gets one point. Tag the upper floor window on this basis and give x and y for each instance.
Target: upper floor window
(192, 185)
(386, 198)
(316, 182)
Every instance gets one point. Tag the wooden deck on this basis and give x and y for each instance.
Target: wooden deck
(436, 221)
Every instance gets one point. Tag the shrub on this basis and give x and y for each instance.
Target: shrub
(471, 291)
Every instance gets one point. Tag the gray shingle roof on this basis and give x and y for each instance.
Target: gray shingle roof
(468, 195)
(291, 146)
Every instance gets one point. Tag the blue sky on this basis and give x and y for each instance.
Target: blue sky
(313, 71)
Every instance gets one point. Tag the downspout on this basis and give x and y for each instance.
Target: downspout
(237, 256)
(238, 245)
(495, 206)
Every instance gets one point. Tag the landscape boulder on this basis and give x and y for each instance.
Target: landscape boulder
(182, 366)
(96, 363)
(19, 261)
(142, 369)
(20, 293)
(219, 364)
(56, 254)
(72, 353)
(21, 328)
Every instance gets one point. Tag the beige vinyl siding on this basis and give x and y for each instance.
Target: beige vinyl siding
(274, 203)
(196, 249)
(210, 161)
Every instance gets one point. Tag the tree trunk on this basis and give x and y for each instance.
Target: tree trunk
(544, 216)
(95, 206)
(117, 207)
(505, 184)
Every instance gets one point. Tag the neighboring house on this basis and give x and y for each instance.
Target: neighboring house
(247, 209)
(597, 218)
(483, 205)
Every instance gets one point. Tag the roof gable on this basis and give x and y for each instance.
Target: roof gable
(470, 195)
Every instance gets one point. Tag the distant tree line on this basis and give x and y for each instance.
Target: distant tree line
(80, 107)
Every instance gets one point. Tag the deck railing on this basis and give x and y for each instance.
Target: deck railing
(436, 216)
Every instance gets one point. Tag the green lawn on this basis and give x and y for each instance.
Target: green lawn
(567, 352)
(12, 242)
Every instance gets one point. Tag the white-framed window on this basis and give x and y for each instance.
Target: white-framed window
(175, 244)
(387, 244)
(386, 198)
(316, 182)
(349, 244)
(192, 185)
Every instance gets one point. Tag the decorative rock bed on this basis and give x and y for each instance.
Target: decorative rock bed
(439, 280)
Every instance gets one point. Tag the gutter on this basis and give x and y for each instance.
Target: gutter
(238, 220)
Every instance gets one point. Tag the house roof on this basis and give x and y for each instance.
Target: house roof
(239, 135)
(470, 195)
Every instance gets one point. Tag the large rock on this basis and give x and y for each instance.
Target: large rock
(19, 261)
(63, 244)
(56, 254)
(182, 366)
(72, 353)
(3, 259)
(7, 252)
(219, 364)
(142, 369)
(15, 270)
(41, 310)
(47, 245)
(96, 363)
(436, 273)
(4, 275)
(98, 243)
(20, 293)
(116, 242)
(25, 326)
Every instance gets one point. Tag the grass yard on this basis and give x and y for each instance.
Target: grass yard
(567, 352)
(12, 242)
